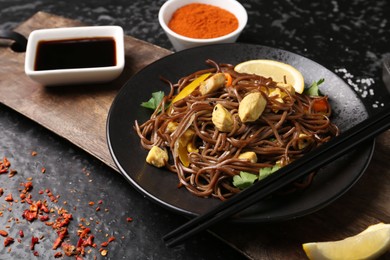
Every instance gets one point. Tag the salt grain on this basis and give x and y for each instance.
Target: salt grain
(362, 86)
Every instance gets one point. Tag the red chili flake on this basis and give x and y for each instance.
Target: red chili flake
(36, 206)
(28, 200)
(40, 191)
(91, 203)
(8, 241)
(12, 173)
(81, 250)
(34, 153)
(3, 233)
(67, 215)
(51, 196)
(44, 208)
(100, 202)
(9, 198)
(6, 162)
(22, 196)
(1, 192)
(21, 233)
(57, 243)
(4, 165)
(105, 244)
(58, 255)
(28, 186)
(69, 250)
(30, 215)
(129, 219)
(98, 209)
(61, 235)
(89, 241)
(62, 220)
(85, 232)
(44, 218)
(36, 253)
(43, 170)
(34, 240)
(80, 242)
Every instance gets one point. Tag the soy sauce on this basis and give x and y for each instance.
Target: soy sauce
(75, 53)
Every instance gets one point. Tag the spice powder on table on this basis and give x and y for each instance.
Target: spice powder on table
(202, 21)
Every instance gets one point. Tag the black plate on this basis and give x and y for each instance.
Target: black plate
(161, 185)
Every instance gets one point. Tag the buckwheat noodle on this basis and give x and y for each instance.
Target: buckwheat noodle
(274, 137)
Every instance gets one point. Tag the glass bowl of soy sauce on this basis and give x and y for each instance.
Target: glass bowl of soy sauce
(75, 55)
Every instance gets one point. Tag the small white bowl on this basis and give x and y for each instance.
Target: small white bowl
(75, 75)
(181, 42)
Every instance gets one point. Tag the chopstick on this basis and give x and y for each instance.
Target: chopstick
(322, 155)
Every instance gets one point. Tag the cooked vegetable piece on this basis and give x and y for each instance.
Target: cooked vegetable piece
(157, 157)
(251, 107)
(222, 118)
(212, 84)
(249, 156)
(320, 105)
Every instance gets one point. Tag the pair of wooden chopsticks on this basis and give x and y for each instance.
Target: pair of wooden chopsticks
(324, 154)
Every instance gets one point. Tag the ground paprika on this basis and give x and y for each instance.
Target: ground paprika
(202, 21)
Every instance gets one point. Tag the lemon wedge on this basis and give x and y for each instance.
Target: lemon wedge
(369, 244)
(278, 71)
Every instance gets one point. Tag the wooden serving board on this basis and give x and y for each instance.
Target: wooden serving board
(79, 113)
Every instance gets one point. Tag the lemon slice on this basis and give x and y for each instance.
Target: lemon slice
(369, 244)
(278, 71)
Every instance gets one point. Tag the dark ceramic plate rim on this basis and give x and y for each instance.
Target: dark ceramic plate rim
(128, 99)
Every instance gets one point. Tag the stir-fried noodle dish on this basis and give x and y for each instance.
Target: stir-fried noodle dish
(220, 130)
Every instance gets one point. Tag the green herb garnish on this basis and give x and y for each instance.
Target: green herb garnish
(244, 180)
(266, 171)
(154, 101)
(313, 90)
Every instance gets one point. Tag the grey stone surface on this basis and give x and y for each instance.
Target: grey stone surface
(348, 37)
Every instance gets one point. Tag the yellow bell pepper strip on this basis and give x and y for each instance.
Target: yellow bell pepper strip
(180, 145)
(190, 87)
(182, 152)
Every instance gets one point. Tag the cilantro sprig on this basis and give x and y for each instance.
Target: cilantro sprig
(246, 179)
(313, 89)
(154, 101)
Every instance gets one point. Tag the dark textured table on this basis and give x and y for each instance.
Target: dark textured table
(348, 37)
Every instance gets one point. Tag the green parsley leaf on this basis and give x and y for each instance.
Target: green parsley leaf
(266, 171)
(154, 101)
(313, 90)
(244, 180)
